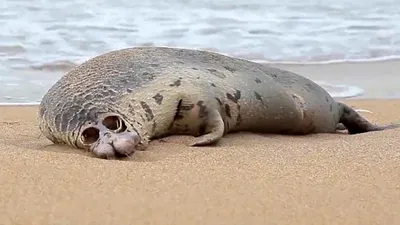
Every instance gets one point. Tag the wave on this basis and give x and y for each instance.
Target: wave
(333, 61)
(340, 91)
(59, 65)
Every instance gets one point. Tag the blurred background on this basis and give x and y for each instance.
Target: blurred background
(40, 40)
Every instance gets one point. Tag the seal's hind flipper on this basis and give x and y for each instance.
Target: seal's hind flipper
(213, 130)
(356, 124)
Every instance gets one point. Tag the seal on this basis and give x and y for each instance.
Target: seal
(117, 102)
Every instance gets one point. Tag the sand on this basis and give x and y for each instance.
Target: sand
(245, 179)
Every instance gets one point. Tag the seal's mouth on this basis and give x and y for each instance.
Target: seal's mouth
(110, 138)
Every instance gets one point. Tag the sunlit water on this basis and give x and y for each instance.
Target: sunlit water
(41, 39)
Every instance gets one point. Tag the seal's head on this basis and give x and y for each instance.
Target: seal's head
(108, 137)
(104, 133)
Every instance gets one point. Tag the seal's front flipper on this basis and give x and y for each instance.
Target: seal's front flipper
(214, 129)
(356, 124)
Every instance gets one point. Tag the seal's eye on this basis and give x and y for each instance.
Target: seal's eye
(90, 135)
(114, 123)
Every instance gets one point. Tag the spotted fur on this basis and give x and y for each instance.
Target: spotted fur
(161, 91)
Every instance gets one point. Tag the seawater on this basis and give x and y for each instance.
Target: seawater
(42, 39)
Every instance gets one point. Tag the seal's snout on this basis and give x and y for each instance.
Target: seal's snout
(110, 140)
(124, 143)
(115, 145)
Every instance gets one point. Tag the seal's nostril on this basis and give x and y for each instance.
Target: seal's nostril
(90, 135)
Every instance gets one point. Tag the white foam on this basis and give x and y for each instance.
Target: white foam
(341, 90)
(334, 61)
(363, 110)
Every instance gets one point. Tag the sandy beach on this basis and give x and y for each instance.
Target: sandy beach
(245, 179)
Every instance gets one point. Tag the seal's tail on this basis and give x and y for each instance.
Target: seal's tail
(356, 124)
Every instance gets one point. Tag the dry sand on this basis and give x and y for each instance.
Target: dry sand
(246, 179)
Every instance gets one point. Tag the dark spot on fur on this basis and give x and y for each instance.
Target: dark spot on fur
(129, 90)
(145, 73)
(330, 107)
(178, 112)
(131, 109)
(193, 68)
(218, 100)
(230, 69)
(239, 117)
(198, 77)
(274, 76)
(257, 80)
(154, 65)
(148, 111)
(228, 110)
(294, 97)
(158, 97)
(212, 84)
(203, 109)
(180, 62)
(326, 98)
(227, 126)
(310, 87)
(177, 83)
(258, 97)
(235, 97)
(217, 73)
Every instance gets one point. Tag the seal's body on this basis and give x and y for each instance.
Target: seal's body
(121, 100)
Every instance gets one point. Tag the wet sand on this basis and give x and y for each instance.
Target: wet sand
(378, 79)
(245, 179)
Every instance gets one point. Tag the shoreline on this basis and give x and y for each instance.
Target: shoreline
(392, 58)
(357, 99)
(343, 80)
